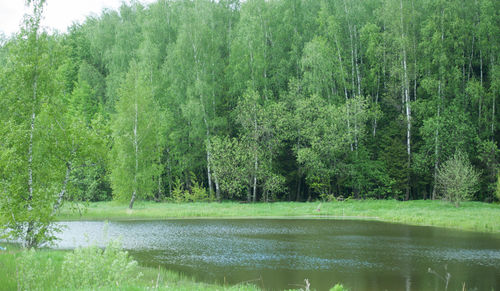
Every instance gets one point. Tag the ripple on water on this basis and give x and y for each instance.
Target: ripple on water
(353, 252)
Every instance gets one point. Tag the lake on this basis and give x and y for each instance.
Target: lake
(279, 254)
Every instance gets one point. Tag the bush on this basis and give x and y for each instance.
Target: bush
(33, 272)
(178, 191)
(84, 268)
(92, 267)
(457, 180)
(197, 193)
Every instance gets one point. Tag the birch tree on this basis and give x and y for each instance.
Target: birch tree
(136, 135)
(194, 67)
(40, 144)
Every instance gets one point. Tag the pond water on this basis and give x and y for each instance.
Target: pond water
(279, 254)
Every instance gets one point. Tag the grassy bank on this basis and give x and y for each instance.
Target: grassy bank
(46, 269)
(45, 273)
(474, 216)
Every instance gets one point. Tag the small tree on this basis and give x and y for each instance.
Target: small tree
(137, 141)
(231, 162)
(457, 180)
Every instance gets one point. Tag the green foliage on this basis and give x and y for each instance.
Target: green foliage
(328, 131)
(137, 140)
(263, 99)
(457, 179)
(92, 267)
(471, 215)
(52, 278)
(44, 141)
(198, 192)
(230, 162)
(338, 287)
(178, 191)
(498, 186)
(195, 193)
(83, 268)
(33, 271)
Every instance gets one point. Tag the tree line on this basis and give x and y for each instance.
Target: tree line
(258, 100)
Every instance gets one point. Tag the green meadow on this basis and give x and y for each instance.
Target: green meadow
(475, 216)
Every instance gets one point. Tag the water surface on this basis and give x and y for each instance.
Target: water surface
(278, 254)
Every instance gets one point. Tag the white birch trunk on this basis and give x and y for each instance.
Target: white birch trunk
(136, 152)
(494, 103)
(217, 188)
(256, 162)
(345, 87)
(376, 103)
(358, 74)
(254, 195)
(60, 197)
(436, 145)
(30, 146)
(407, 105)
(209, 173)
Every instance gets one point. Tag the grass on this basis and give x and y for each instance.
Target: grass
(155, 279)
(43, 269)
(474, 216)
(9, 266)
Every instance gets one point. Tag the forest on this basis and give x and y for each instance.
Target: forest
(278, 100)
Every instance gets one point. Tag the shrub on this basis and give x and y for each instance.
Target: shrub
(197, 193)
(33, 272)
(457, 180)
(92, 267)
(178, 191)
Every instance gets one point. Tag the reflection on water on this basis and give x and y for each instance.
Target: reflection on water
(278, 254)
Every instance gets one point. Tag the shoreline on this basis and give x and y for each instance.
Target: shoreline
(471, 216)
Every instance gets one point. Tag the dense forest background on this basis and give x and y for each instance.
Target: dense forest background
(255, 100)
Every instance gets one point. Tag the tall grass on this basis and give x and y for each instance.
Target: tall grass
(476, 216)
(90, 269)
(29, 270)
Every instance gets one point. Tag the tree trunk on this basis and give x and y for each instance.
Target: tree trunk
(169, 167)
(299, 183)
(136, 152)
(29, 234)
(63, 190)
(407, 106)
(345, 87)
(249, 192)
(436, 136)
(160, 188)
(256, 163)
(376, 104)
(481, 80)
(352, 49)
(358, 74)
(132, 200)
(217, 189)
(494, 103)
(209, 173)
(30, 146)
(436, 150)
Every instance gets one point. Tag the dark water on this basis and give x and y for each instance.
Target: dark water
(280, 253)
